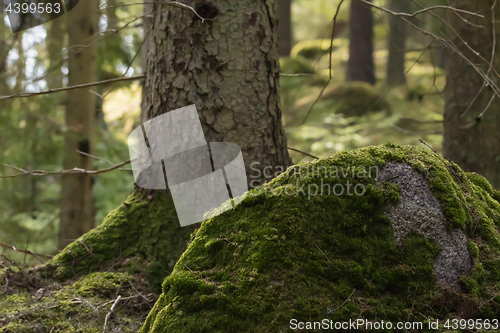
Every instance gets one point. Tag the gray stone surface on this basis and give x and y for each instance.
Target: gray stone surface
(420, 212)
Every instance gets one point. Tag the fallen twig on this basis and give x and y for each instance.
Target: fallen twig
(110, 312)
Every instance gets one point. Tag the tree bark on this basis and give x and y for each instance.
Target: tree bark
(285, 27)
(472, 140)
(77, 216)
(360, 66)
(397, 44)
(228, 68)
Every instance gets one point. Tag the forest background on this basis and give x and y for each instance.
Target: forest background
(325, 110)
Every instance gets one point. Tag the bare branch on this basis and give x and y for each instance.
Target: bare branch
(70, 171)
(420, 11)
(36, 255)
(302, 152)
(92, 84)
(131, 62)
(101, 159)
(296, 75)
(329, 66)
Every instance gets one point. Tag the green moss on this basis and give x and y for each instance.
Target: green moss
(357, 99)
(296, 65)
(284, 254)
(102, 283)
(71, 307)
(143, 232)
(313, 49)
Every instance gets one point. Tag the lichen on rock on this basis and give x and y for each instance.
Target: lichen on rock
(420, 212)
(284, 254)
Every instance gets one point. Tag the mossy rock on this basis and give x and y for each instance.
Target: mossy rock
(286, 254)
(296, 65)
(315, 48)
(128, 255)
(143, 234)
(354, 99)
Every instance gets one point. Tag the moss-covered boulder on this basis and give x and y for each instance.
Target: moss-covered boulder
(296, 65)
(127, 256)
(142, 235)
(313, 49)
(354, 99)
(339, 239)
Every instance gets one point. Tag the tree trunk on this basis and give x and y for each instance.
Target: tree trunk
(77, 216)
(20, 63)
(55, 43)
(360, 66)
(472, 140)
(146, 28)
(285, 27)
(228, 68)
(3, 53)
(397, 43)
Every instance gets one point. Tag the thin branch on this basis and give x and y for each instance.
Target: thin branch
(329, 66)
(487, 106)
(101, 159)
(463, 41)
(172, 3)
(70, 171)
(345, 300)
(92, 84)
(456, 50)
(36, 255)
(298, 74)
(131, 62)
(302, 152)
(420, 11)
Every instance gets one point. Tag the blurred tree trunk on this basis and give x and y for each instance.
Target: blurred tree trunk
(397, 43)
(471, 140)
(3, 53)
(360, 66)
(20, 63)
(235, 87)
(55, 44)
(146, 28)
(285, 27)
(77, 216)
